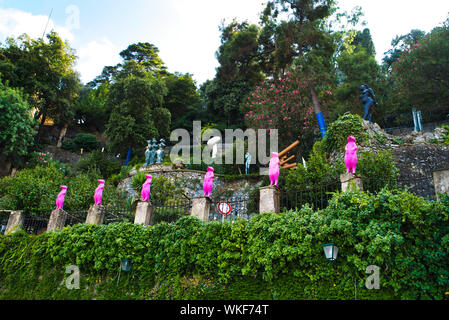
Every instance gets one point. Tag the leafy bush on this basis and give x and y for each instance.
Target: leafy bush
(98, 160)
(86, 141)
(35, 190)
(162, 188)
(339, 131)
(68, 144)
(317, 173)
(45, 158)
(378, 170)
(446, 134)
(268, 257)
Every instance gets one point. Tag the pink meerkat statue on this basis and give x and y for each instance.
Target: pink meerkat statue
(60, 198)
(99, 193)
(208, 181)
(146, 187)
(351, 155)
(274, 168)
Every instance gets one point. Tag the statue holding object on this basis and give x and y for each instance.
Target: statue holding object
(351, 155)
(160, 151)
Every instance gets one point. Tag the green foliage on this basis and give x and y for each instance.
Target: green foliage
(34, 190)
(378, 170)
(97, 160)
(268, 257)
(44, 68)
(45, 159)
(421, 71)
(445, 134)
(135, 103)
(162, 191)
(319, 172)
(357, 68)
(91, 108)
(339, 131)
(16, 123)
(86, 141)
(116, 178)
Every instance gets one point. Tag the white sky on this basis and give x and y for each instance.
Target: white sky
(186, 31)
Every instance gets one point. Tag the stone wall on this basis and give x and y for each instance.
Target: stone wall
(192, 182)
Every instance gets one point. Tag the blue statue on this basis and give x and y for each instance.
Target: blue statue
(247, 161)
(153, 146)
(147, 155)
(160, 151)
(369, 101)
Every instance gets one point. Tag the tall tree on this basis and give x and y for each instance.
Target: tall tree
(400, 44)
(301, 41)
(45, 70)
(182, 99)
(17, 125)
(422, 73)
(135, 104)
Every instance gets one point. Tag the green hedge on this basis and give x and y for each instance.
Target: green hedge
(268, 257)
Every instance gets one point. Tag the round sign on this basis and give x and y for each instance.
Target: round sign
(224, 208)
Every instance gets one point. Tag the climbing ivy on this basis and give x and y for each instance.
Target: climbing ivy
(272, 256)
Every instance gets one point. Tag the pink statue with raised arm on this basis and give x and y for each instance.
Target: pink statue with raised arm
(351, 155)
(60, 198)
(208, 182)
(99, 193)
(273, 170)
(146, 187)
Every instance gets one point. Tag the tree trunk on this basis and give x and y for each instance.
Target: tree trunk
(315, 101)
(62, 135)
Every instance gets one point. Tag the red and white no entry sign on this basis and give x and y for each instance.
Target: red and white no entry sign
(224, 208)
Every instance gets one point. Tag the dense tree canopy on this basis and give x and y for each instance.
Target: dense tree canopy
(422, 72)
(45, 70)
(16, 123)
(136, 104)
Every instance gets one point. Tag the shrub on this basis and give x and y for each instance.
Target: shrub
(339, 131)
(162, 188)
(86, 141)
(378, 170)
(272, 256)
(35, 190)
(98, 160)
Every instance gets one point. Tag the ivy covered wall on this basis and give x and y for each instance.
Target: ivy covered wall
(268, 257)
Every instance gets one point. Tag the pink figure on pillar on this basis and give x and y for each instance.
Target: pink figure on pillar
(351, 155)
(146, 187)
(99, 193)
(273, 170)
(60, 198)
(208, 182)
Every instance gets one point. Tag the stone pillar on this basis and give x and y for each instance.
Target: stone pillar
(441, 182)
(57, 220)
(201, 208)
(144, 213)
(269, 200)
(95, 215)
(350, 181)
(15, 221)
